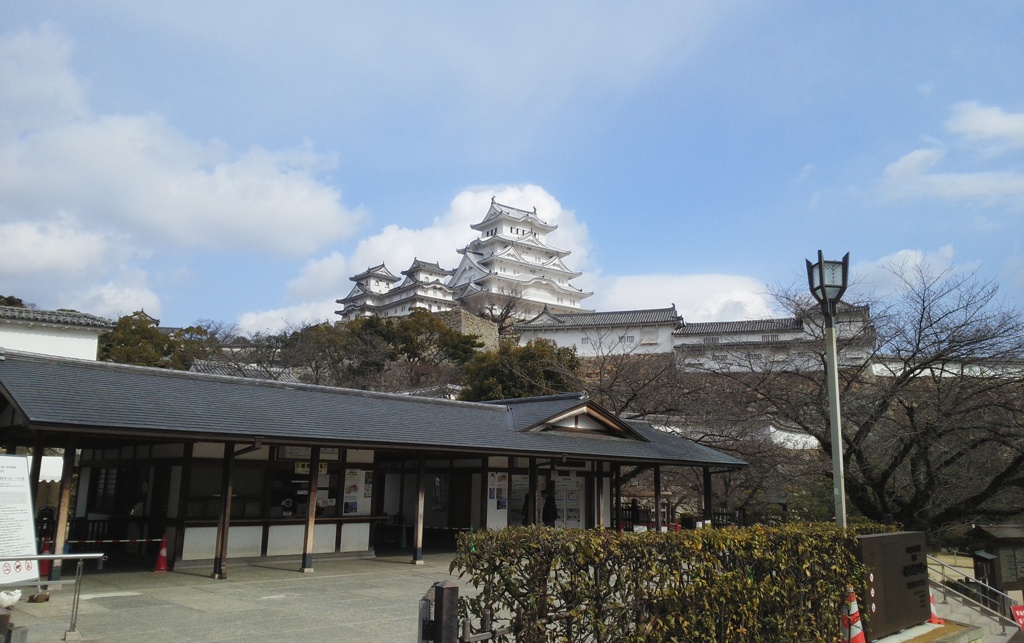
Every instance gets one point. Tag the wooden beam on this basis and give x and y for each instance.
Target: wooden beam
(60, 534)
(34, 471)
(314, 477)
(484, 483)
(421, 493)
(707, 497)
(184, 489)
(599, 494)
(224, 522)
(618, 497)
(657, 498)
(533, 492)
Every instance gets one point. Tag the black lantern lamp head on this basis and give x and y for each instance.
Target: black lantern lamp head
(828, 280)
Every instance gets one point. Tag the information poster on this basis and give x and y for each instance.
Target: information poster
(17, 527)
(357, 493)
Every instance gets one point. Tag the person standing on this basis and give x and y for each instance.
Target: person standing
(550, 512)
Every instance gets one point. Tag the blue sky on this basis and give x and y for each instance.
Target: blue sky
(238, 161)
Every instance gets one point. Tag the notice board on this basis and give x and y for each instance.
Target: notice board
(17, 526)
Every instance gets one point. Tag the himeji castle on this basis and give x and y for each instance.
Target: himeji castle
(510, 261)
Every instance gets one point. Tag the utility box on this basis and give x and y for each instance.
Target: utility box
(999, 555)
(897, 589)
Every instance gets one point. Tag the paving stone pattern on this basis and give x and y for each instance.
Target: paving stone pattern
(342, 600)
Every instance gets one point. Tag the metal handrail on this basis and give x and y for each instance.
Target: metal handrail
(81, 558)
(987, 590)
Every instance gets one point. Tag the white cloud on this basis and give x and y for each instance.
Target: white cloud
(279, 319)
(115, 299)
(58, 247)
(982, 129)
(136, 173)
(976, 122)
(321, 278)
(83, 195)
(698, 298)
(913, 165)
(876, 278)
(37, 88)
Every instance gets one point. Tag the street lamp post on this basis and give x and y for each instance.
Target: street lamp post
(828, 280)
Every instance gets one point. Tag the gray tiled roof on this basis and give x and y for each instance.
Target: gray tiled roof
(752, 326)
(58, 317)
(613, 318)
(100, 398)
(417, 264)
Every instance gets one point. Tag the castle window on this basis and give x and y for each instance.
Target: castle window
(769, 338)
(711, 340)
(585, 340)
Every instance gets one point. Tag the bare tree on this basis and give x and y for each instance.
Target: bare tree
(932, 408)
(503, 308)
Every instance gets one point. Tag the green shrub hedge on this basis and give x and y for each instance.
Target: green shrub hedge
(750, 584)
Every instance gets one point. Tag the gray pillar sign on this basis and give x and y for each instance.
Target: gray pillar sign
(17, 526)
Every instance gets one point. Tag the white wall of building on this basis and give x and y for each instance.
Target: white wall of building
(62, 341)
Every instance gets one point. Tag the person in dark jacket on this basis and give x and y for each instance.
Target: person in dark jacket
(550, 512)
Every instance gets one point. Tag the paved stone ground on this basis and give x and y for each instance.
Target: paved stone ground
(344, 599)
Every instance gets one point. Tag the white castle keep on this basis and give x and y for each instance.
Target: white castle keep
(510, 262)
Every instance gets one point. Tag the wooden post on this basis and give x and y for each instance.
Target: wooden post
(446, 612)
(421, 493)
(707, 497)
(183, 495)
(224, 523)
(35, 466)
(599, 494)
(484, 482)
(314, 477)
(534, 519)
(60, 532)
(618, 497)
(657, 497)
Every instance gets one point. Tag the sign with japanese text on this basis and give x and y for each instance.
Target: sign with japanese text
(17, 526)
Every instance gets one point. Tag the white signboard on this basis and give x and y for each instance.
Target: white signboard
(17, 527)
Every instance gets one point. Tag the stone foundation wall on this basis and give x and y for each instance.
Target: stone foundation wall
(468, 324)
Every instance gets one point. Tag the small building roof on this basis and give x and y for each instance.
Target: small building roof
(380, 271)
(547, 319)
(998, 532)
(426, 266)
(499, 210)
(750, 326)
(96, 400)
(54, 317)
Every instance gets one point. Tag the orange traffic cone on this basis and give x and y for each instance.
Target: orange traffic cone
(934, 618)
(852, 628)
(161, 559)
(44, 565)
